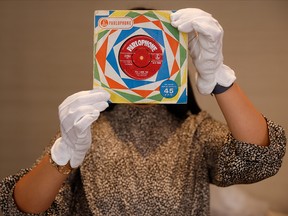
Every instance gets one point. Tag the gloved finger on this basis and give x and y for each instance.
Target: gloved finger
(193, 45)
(81, 141)
(70, 120)
(181, 14)
(101, 106)
(77, 159)
(81, 93)
(85, 122)
(189, 13)
(60, 153)
(73, 96)
(206, 26)
(175, 16)
(189, 19)
(184, 26)
(88, 98)
(175, 23)
(84, 98)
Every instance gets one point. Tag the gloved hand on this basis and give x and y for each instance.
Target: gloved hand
(205, 37)
(76, 113)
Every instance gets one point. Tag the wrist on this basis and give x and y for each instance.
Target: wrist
(63, 169)
(219, 89)
(215, 82)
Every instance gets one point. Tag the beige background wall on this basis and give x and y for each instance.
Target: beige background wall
(46, 55)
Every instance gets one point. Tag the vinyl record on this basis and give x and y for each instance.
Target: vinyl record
(140, 57)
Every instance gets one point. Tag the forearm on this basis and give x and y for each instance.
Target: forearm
(205, 36)
(35, 192)
(244, 121)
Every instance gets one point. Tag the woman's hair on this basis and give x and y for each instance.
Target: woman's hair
(141, 8)
(179, 110)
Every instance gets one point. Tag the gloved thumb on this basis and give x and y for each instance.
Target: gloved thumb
(82, 124)
(60, 152)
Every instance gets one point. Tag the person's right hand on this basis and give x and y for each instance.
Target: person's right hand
(76, 113)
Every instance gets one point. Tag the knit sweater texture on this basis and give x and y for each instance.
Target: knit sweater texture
(145, 161)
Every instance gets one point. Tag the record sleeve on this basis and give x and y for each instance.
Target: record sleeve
(139, 57)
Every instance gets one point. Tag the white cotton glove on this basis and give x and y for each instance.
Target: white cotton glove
(205, 46)
(76, 113)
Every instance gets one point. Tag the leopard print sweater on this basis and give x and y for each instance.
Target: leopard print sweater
(144, 161)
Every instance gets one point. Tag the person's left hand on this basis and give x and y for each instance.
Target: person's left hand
(205, 36)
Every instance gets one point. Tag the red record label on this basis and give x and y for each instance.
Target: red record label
(140, 57)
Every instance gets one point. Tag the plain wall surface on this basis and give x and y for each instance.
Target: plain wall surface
(46, 55)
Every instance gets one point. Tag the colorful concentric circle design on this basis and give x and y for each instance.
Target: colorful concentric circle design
(123, 88)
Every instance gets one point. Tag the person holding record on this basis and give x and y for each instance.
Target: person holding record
(151, 159)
